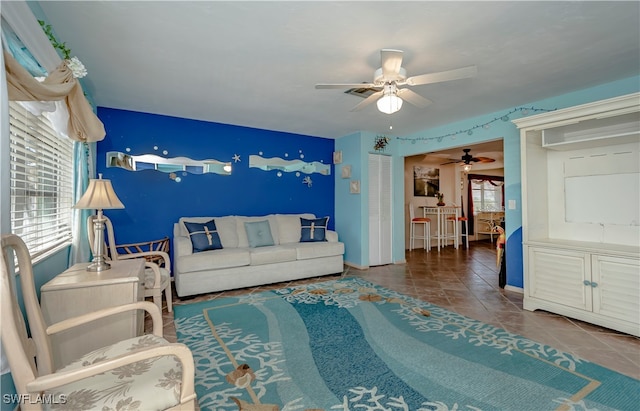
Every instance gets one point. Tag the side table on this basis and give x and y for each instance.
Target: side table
(78, 291)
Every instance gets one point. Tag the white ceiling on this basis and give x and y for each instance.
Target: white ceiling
(255, 64)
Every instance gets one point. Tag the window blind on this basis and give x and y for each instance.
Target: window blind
(41, 182)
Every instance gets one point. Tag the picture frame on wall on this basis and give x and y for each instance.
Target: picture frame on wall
(346, 171)
(337, 157)
(354, 187)
(426, 181)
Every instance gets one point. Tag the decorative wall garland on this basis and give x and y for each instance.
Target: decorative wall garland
(75, 65)
(486, 126)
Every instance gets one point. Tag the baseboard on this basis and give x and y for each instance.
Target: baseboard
(400, 262)
(357, 267)
(514, 289)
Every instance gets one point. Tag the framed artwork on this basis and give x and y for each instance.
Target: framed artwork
(354, 187)
(337, 157)
(426, 181)
(346, 171)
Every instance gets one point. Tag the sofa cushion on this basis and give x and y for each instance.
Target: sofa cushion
(183, 229)
(227, 231)
(272, 254)
(313, 230)
(243, 241)
(289, 227)
(204, 236)
(258, 233)
(306, 251)
(214, 259)
(226, 228)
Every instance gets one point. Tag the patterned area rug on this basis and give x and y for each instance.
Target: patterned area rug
(351, 345)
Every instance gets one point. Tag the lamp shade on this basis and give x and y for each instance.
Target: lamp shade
(99, 195)
(389, 103)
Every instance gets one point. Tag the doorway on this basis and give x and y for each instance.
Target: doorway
(486, 159)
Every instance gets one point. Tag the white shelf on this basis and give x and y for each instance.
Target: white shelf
(581, 237)
(593, 133)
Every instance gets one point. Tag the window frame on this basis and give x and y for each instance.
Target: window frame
(482, 206)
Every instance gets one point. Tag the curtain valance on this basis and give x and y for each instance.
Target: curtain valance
(490, 179)
(60, 84)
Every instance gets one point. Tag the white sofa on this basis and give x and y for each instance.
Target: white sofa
(237, 265)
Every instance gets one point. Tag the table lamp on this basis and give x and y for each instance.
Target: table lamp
(99, 196)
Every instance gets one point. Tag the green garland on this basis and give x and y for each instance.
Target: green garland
(486, 125)
(48, 30)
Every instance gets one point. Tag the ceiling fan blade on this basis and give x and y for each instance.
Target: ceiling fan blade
(374, 97)
(391, 62)
(452, 162)
(345, 85)
(483, 160)
(413, 98)
(431, 78)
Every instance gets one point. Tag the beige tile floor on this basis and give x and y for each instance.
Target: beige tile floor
(466, 282)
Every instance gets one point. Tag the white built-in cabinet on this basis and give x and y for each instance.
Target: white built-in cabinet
(380, 210)
(581, 212)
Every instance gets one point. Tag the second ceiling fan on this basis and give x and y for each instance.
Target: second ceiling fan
(467, 158)
(391, 76)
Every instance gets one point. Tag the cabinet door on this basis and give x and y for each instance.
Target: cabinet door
(562, 277)
(616, 287)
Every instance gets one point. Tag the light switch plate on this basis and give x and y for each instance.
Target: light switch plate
(512, 204)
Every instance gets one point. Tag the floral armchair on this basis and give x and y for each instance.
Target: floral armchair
(145, 372)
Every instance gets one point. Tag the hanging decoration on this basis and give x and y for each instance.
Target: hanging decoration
(381, 143)
(75, 65)
(485, 126)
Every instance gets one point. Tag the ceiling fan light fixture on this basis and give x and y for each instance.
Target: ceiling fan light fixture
(389, 103)
(466, 168)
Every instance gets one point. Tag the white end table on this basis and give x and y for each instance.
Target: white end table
(78, 291)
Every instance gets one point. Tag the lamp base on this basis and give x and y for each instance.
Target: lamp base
(99, 262)
(98, 266)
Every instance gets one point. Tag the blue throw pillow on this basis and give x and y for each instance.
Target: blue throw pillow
(204, 236)
(258, 233)
(313, 230)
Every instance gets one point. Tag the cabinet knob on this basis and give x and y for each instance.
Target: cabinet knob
(587, 283)
(594, 285)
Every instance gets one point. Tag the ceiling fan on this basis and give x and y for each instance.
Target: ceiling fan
(467, 159)
(391, 76)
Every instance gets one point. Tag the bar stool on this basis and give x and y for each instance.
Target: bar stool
(426, 229)
(454, 228)
(458, 233)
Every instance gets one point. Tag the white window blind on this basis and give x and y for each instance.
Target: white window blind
(41, 182)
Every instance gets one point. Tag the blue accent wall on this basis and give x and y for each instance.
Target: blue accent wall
(153, 201)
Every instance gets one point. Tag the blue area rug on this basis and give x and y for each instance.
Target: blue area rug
(351, 345)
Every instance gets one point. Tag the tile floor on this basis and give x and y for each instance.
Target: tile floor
(466, 282)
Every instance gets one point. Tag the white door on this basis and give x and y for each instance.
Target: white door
(380, 221)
